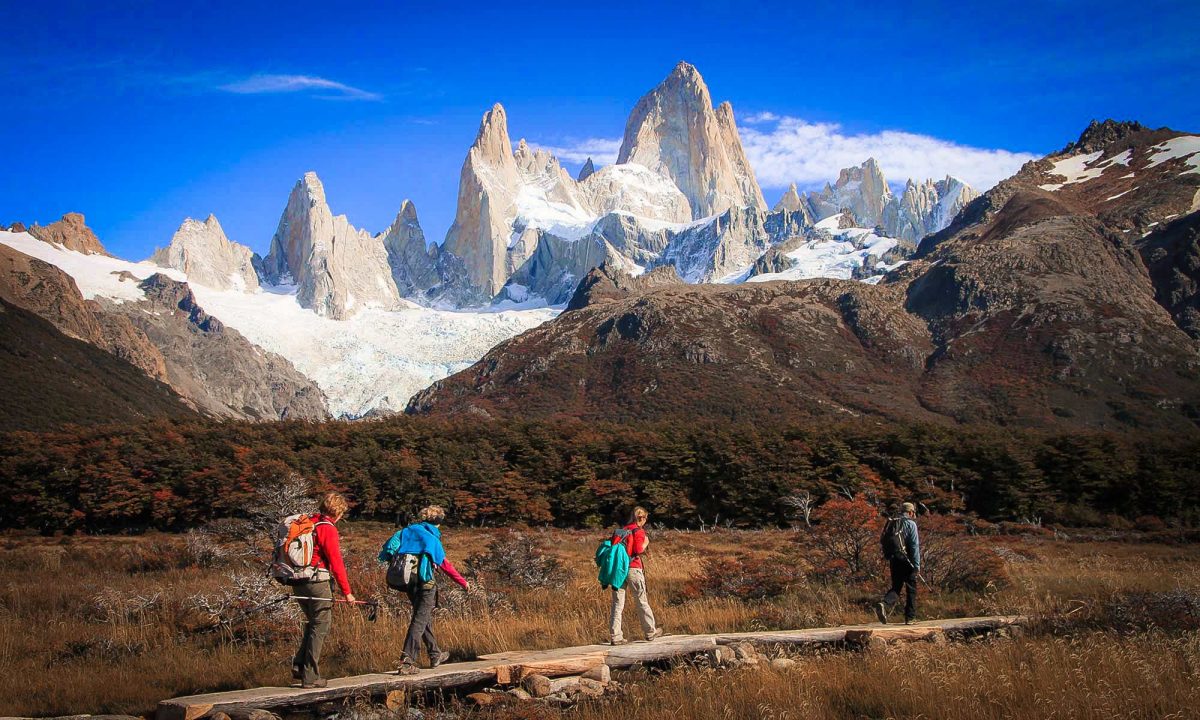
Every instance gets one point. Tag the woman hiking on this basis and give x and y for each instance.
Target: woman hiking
(419, 546)
(317, 594)
(633, 535)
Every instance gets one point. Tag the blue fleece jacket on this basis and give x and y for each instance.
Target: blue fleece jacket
(912, 541)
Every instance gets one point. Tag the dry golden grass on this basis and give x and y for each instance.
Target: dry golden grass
(65, 653)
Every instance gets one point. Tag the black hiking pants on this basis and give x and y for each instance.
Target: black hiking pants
(904, 575)
(420, 629)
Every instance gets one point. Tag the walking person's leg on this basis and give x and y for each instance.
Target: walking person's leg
(637, 583)
(417, 625)
(910, 595)
(898, 573)
(435, 654)
(614, 617)
(318, 618)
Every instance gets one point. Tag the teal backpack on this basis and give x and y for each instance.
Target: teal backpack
(613, 560)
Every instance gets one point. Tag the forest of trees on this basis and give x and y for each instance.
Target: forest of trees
(173, 475)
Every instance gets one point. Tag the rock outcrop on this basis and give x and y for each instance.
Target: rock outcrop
(609, 284)
(70, 232)
(51, 294)
(213, 367)
(675, 131)
(862, 190)
(206, 255)
(586, 171)
(337, 269)
(414, 262)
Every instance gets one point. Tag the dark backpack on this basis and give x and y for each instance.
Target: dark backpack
(891, 540)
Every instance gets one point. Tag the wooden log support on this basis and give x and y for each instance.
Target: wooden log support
(510, 668)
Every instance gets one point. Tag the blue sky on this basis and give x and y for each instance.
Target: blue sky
(139, 114)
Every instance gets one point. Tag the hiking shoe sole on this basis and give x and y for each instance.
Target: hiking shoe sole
(618, 642)
(881, 613)
(658, 632)
(318, 683)
(407, 669)
(438, 659)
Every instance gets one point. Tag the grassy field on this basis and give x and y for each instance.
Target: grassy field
(115, 624)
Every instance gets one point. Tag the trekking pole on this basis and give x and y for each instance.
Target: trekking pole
(371, 605)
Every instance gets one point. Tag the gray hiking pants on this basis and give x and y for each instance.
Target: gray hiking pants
(318, 618)
(637, 585)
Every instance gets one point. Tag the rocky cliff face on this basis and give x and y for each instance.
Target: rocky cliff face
(862, 190)
(201, 250)
(70, 232)
(51, 294)
(675, 132)
(925, 208)
(487, 205)
(414, 263)
(337, 268)
(1061, 299)
(213, 367)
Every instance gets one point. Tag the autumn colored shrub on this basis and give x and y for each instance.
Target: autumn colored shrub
(951, 560)
(845, 541)
(745, 577)
(519, 559)
(1150, 523)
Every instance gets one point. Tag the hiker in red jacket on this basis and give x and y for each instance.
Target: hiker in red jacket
(318, 614)
(636, 543)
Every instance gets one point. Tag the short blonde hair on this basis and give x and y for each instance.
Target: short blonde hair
(334, 504)
(433, 514)
(640, 514)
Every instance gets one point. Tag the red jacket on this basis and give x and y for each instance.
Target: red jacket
(328, 552)
(635, 545)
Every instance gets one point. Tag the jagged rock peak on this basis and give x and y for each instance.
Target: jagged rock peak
(1099, 135)
(72, 233)
(208, 257)
(675, 132)
(586, 171)
(337, 268)
(492, 140)
(408, 211)
(790, 201)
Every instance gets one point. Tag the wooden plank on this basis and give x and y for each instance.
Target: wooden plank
(446, 676)
(513, 666)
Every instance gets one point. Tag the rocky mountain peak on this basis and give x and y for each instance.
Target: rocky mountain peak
(408, 211)
(492, 143)
(675, 132)
(586, 171)
(336, 267)
(209, 258)
(72, 233)
(1099, 135)
(790, 201)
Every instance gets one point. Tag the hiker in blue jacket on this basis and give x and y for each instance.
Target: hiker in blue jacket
(422, 542)
(902, 549)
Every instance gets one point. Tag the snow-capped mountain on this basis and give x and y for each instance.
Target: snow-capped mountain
(204, 254)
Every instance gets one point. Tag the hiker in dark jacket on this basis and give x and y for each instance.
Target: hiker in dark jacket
(905, 564)
(636, 543)
(318, 605)
(423, 541)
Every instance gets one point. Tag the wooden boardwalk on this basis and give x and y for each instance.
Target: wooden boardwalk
(513, 666)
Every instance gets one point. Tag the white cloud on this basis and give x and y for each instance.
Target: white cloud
(602, 151)
(323, 88)
(759, 117)
(810, 154)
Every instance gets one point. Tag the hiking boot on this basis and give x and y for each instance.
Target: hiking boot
(618, 641)
(407, 667)
(318, 683)
(909, 621)
(881, 613)
(438, 658)
(656, 633)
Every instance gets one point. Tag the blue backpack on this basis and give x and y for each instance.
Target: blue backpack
(613, 560)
